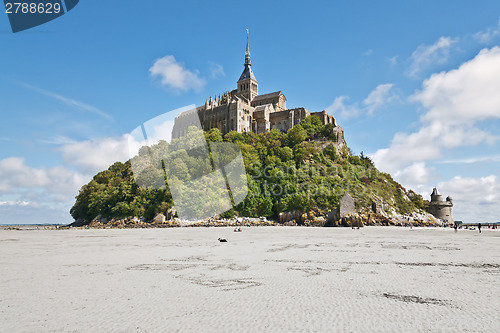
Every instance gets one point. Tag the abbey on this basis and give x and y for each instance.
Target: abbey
(244, 110)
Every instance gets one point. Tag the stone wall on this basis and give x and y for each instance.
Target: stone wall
(441, 210)
(325, 117)
(261, 117)
(282, 120)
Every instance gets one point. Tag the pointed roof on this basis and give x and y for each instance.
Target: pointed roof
(247, 72)
(435, 192)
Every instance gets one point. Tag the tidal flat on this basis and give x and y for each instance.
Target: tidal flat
(263, 279)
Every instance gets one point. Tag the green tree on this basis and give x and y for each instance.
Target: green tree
(234, 137)
(330, 152)
(296, 135)
(213, 135)
(312, 125)
(285, 153)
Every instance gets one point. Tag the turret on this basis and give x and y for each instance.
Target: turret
(436, 196)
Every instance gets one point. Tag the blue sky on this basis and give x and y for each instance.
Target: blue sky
(414, 84)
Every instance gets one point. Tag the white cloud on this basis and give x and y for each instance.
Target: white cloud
(17, 177)
(468, 93)
(216, 70)
(381, 96)
(488, 35)
(428, 143)
(483, 190)
(37, 195)
(92, 156)
(427, 55)
(346, 111)
(16, 174)
(456, 105)
(414, 176)
(408, 148)
(174, 75)
(474, 197)
(69, 101)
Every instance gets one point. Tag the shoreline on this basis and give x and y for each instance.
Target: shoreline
(29, 227)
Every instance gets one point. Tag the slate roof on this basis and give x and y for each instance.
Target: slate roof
(263, 107)
(265, 96)
(247, 73)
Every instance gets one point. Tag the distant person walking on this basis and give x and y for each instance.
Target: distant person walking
(479, 227)
(455, 226)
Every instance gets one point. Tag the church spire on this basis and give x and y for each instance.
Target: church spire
(248, 87)
(247, 54)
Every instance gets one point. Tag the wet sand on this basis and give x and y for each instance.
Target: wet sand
(264, 279)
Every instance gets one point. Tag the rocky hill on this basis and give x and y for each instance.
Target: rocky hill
(297, 177)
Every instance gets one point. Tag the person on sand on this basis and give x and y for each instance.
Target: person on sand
(455, 226)
(479, 227)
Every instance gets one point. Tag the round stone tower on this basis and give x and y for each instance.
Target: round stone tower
(436, 196)
(439, 208)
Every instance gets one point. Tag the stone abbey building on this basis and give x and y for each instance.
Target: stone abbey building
(244, 110)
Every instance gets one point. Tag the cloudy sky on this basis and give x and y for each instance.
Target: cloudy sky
(415, 85)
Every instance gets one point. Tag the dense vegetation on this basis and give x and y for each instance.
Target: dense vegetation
(303, 169)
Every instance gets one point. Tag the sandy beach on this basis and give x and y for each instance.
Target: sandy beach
(264, 279)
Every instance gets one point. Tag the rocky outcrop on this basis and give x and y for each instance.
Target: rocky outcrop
(297, 216)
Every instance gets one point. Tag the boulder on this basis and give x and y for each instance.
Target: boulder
(346, 205)
(159, 219)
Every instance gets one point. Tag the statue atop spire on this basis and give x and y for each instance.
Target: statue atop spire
(247, 54)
